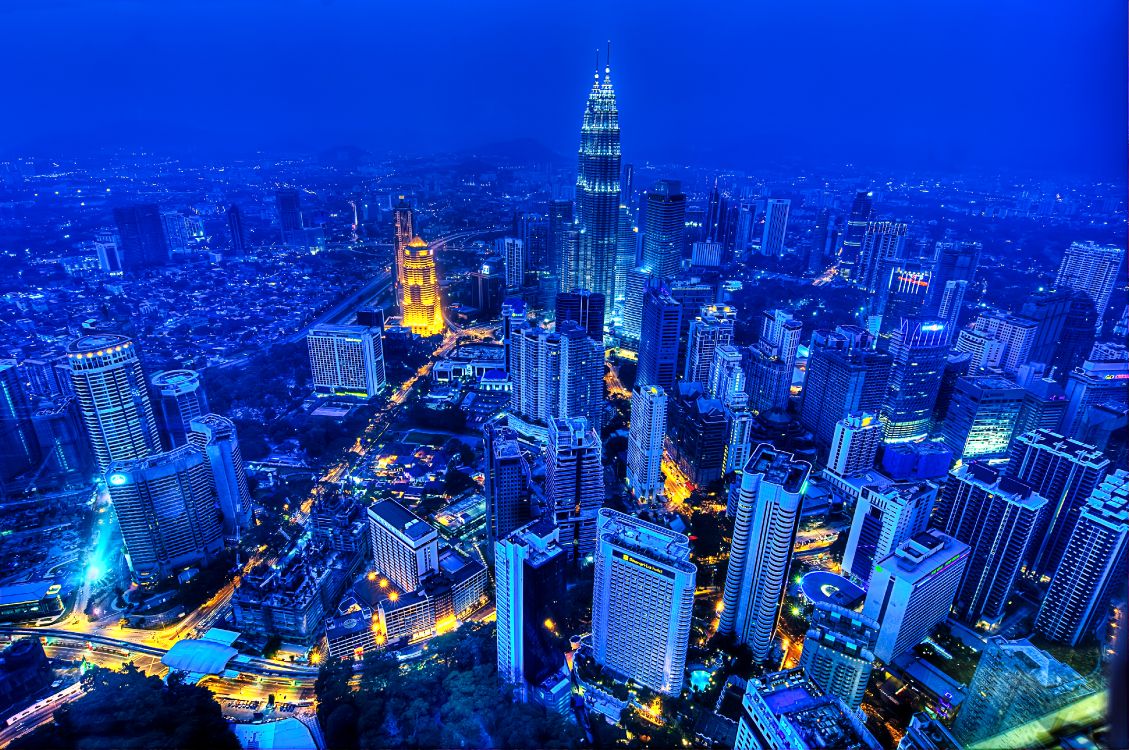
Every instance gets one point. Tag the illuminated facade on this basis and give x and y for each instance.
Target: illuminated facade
(838, 653)
(885, 516)
(405, 230)
(346, 360)
(597, 193)
(420, 303)
(981, 417)
(919, 349)
(181, 398)
(645, 442)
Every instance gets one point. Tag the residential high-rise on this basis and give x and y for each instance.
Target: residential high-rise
(110, 387)
(574, 484)
(773, 361)
(1093, 269)
(1017, 334)
(664, 228)
(981, 417)
(775, 226)
(642, 601)
(581, 375)
(585, 308)
(658, 342)
(912, 589)
(855, 444)
(528, 578)
(698, 434)
(513, 252)
(165, 505)
(713, 327)
(180, 399)
(420, 304)
(1064, 471)
(597, 192)
(627, 250)
(919, 349)
(1101, 379)
(215, 436)
(639, 281)
(883, 242)
(288, 202)
(535, 372)
(1092, 566)
(996, 516)
(405, 548)
(507, 483)
(768, 515)
(885, 516)
(855, 231)
(346, 360)
(405, 231)
(560, 220)
(237, 230)
(844, 376)
(142, 234)
(788, 711)
(727, 378)
(838, 652)
(1014, 683)
(645, 442)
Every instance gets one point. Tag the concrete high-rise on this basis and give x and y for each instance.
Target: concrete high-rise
(713, 327)
(883, 242)
(405, 231)
(405, 548)
(574, 484)
(658, 342)
(215, 436)
(560, 225)
(237, 230)
(838, 652)
(1091, 268)
(19, 449)
(112, 398)
(885, 516)
(844, 376)
(507, 483)
(981, 417)
(773, 361)
(768, 515)
(996, 516)
(288, 203)
(165, 505)
(421, 306)
(664, 228)
(584, 308)
(180, 399)
(1092, 566)
(775, 226)
(346, 360)
(581, 376)
(642, 601)
(639, 280)
(645, 442)
(919, 349)
(912, 589)
(598, 192)
(143, 243)
(513, 253)
(727, 378)
(857, 222)
(855, 444)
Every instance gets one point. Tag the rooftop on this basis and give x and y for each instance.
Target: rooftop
(400, 518)
(778, 467)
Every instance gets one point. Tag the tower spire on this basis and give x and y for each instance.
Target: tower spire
(608, 65)
(597, 63)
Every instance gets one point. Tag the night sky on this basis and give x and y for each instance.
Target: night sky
(1034, 87)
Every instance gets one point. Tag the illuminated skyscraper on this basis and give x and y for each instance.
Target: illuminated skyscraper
(346, 360)
(883, 242)
(574, 483)
(180, 398)
(838, 652)
(855, 231)
(919, 349)
(1093, 269)
(886, 514)
(981, 417)
(775, 226)
(713, 327)
(597, 191)
(112, 398)
(405, 230)
(855, 444)
(664, 228)
(645, 442)
(420, 304)
(215, 436)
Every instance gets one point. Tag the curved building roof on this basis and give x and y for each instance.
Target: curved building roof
(822, 586)
(198, 656)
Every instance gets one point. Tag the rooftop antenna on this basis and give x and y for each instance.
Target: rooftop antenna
(597, 63)
(608, 67)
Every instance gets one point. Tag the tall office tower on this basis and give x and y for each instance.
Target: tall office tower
(512, 250)
(658, 341)
(919, 349)
(927, 733)
(1092, 566)
(642, 601)
(597, 192)
(698, 433)
(289, 204)
(165, 504)
(585, 308)
(1091, 268)
(581, 376)
(713, 327)
(1016, 333)
(1077, 335)
(1101, 379)
(855, 444)
(535, 373)
(645, 442)
(1065, 472)
(996, 516)
(883, 243)
(574, 483)
(1014, 683)
(238, 231)
(985, 354)
(488, 289)
(768, 514)
(420, 303)
(1048, 309)
(513, 318)
(48, 377)
(528, 576)
(405, 548)
(62, 439)
(788, 711)
(112, 397)
(727, 379)
(560, 220)
(627, 250)
(533, 230)
(838, 652)
(844, 376)
(857, 221)
(405, 231)
(819, 248)
(664, 228)
(346, 360)
(180, 399)
(107, 245)
(19, 448)
(903, 292)
(176, 230)
(775, 226)
(953, 261)
(912, 588)
(885, 516)
(952, 300)
(773, 361)
(215, 436)
(142, 235)
(981, 417)
(1044, 400)
(507, 483)
(639, 281)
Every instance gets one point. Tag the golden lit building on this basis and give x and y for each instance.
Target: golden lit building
(420, 304)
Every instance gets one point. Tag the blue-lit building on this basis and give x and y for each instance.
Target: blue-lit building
(919, 348)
